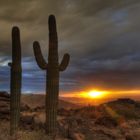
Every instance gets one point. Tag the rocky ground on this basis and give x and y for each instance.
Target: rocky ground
(116, 120)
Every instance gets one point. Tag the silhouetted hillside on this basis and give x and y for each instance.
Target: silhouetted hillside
(38, 100)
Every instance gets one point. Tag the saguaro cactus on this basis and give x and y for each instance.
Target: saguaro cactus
(15, 83)
(52, 68)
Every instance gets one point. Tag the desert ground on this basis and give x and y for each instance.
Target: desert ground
(114, 120)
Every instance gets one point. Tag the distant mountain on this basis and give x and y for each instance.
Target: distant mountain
(38, 100)
(29, 102)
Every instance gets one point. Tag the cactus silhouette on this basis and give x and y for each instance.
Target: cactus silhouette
(15, 82)
(52, 68)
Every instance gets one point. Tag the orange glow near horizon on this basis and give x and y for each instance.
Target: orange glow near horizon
(93, 94)
(100, 94)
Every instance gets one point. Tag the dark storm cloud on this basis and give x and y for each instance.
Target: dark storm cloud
(102, 37)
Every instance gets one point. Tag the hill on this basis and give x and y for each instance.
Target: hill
(114, 120)
(123, 107)
(38, 100)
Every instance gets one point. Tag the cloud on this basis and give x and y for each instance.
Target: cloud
(102, 37)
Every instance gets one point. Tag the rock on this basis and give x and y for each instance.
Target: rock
(27, 122)
(4, 99)
(63, 112)
(4, 105)
(77, 136)
(4, 94)
(4, 111)
(106, 121)
(27, 119)
(38, 108)
(24, 107)
(128, 137)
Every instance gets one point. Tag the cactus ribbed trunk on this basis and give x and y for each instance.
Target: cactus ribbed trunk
(15, 82)
(52, 69)
(52, 79)
(52, 100)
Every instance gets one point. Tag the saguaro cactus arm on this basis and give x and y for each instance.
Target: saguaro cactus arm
(38, 56)
(64, 62)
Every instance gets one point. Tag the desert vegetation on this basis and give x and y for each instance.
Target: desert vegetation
(52, 68)
(108, 121)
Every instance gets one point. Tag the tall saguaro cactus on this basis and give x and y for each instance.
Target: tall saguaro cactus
(15, 83)
(52, 68)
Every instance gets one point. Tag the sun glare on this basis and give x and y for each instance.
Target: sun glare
(95, 94)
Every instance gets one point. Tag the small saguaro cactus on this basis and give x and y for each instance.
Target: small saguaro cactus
(52, 68)
(15, 81)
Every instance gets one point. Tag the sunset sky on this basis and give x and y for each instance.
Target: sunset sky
(102, 37)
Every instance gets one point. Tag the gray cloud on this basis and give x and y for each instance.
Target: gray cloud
(102, 37)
